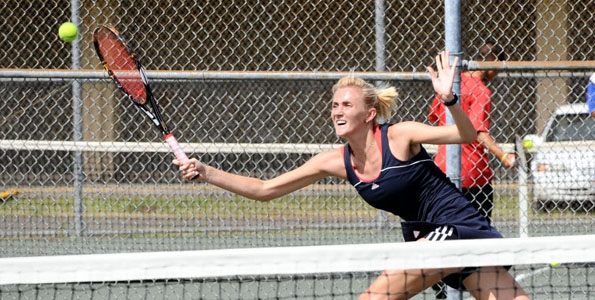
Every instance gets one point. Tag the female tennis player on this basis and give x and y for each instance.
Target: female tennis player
(391, 170)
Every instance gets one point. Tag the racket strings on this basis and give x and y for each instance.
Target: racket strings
(120, 63)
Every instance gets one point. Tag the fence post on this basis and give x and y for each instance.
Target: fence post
(380, 67)
(452, 26)
(77, 135)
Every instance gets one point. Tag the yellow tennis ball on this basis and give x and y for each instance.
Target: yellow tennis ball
(528, 144)
(554, 265)
(68, 31)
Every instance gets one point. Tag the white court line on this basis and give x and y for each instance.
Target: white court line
(521, 277)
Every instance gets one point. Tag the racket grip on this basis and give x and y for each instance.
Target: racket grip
(177, 150)
(175, 147)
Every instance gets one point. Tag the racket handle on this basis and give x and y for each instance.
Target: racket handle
(175, 147)
(177, 150)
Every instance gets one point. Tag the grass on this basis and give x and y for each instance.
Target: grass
(194, 214)
(187, 206)
(505, 207)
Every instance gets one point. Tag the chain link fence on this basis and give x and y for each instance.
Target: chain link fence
(129, 197)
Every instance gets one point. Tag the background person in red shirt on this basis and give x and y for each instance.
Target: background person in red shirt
(476, 173)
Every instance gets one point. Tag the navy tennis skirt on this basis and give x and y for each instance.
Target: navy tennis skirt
(414, 230)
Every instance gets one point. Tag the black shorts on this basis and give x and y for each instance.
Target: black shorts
(413, 231)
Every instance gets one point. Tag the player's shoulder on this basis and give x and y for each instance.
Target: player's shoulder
(331, 162)
(402, 131)
(331, 155)
(592, 79)
(401, 127)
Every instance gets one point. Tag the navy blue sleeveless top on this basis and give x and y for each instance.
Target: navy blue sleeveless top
(417, 190)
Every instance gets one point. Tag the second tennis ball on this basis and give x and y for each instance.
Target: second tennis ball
(528, 144)
(68, 31)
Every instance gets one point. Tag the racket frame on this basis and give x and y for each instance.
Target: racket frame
(155, 114)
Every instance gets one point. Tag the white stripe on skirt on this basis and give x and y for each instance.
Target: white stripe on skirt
(440, 234)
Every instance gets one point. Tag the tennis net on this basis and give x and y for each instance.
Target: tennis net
(557, 267)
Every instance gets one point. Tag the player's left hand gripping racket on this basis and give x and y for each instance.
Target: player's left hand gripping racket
(121, 64)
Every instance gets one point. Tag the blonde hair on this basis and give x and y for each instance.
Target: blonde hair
(382, 98)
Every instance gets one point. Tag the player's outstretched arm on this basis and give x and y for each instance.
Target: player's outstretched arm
(320, 166)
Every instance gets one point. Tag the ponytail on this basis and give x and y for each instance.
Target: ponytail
(386, 102)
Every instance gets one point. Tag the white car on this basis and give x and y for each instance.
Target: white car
(563, 161)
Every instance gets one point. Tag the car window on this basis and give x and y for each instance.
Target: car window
(572, 127)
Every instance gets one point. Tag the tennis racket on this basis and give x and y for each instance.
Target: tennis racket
(122, 66)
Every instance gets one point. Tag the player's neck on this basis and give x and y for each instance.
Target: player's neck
(362, 144)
